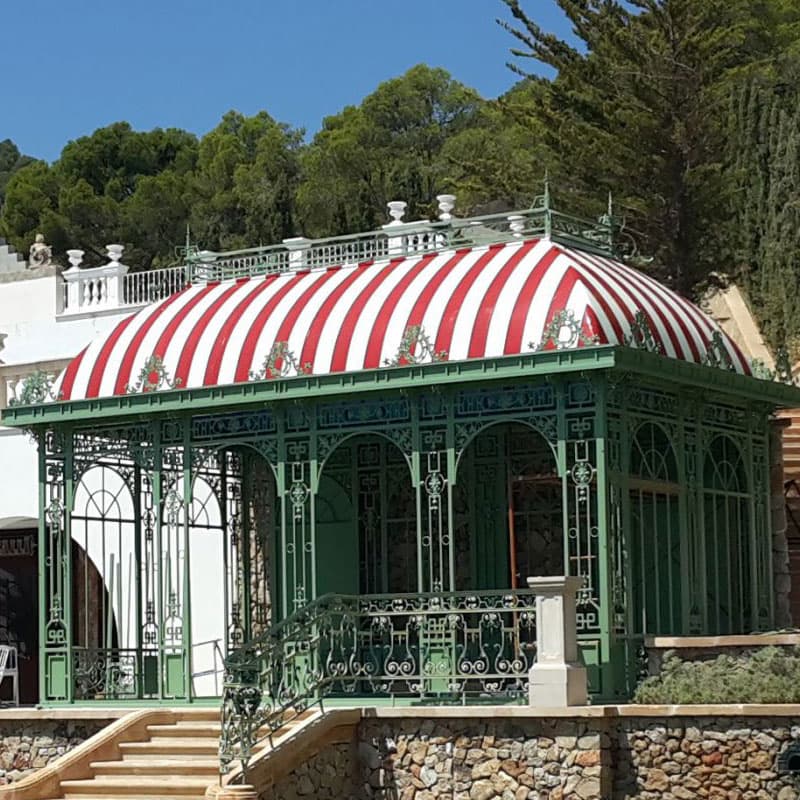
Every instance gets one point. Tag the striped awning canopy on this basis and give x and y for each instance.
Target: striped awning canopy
(470, 303)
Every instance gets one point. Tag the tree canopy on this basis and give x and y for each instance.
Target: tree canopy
(684, 110)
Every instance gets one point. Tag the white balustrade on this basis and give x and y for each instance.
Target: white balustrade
(14, 376)
(95, 288)
(92, 289)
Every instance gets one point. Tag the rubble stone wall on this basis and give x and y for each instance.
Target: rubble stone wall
(28, 745)
(529, 758)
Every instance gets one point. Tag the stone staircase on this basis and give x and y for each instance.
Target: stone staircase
(162, 753)
(178, 759)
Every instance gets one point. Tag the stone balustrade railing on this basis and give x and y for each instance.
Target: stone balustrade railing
(28, 383)
(112, 286)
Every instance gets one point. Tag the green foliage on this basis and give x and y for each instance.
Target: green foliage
(244, 185)
(765, 163)
(498, 162)
(388, 148)
(637, 110)
(11, 160)
(107, 187)
(768, 675)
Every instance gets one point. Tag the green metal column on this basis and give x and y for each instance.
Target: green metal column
(605, 589)
(187, 555)
(297, 484)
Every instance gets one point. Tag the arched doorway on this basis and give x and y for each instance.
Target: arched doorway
(654, 542)
(728, 531)
(366, 521)
(234, 516)
(508, 509)
(104, 576)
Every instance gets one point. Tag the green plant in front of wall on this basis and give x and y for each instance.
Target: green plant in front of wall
(767, 675)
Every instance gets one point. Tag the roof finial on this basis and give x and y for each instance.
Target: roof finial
(548, 227)
(609, 222)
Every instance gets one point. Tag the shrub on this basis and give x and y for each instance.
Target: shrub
(767, 675)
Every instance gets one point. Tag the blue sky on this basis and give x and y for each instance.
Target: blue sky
(71, 66)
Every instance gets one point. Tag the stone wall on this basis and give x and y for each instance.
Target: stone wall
(514, 757)
(27, 745)
(327, 775)
(473, 759)
(729, 758)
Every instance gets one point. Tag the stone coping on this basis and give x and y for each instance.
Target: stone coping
(582, 712)
(449, 712)
(22, 714)
(26, 273)
(751, 640)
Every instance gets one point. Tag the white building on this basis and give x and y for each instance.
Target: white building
(47, 316)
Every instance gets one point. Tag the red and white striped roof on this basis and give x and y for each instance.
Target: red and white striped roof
(471, 303)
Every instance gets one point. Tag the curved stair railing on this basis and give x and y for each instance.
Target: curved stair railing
(444, 647)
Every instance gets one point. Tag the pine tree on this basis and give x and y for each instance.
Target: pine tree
(639, 109)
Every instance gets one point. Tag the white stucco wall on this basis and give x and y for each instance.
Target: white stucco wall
(36, 332)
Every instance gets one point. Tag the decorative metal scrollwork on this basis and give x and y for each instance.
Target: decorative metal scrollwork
(641, 336)
(717, 354)
(415, 348)
(36, 388)
(153, 377)
(562, 333)
(449, 646)
(280, 362)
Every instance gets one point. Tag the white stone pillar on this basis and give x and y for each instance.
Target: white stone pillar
(557, 679)
(113, 273)
(297, 247)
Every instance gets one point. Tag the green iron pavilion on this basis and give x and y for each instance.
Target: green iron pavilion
(335, 464)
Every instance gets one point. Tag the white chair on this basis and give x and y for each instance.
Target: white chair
(8, 668)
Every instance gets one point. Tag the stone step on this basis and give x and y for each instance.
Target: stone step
(169, 746)
(210, 714)
(185, 730)
(125, 785)
(158, 766)
(111, 796)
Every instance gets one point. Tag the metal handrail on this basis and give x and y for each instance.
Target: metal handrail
(448, 645)
(400, 240)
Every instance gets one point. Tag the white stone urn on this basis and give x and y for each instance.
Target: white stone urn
(447, 202)
(397, 209)
(75, 258)
(114, 252)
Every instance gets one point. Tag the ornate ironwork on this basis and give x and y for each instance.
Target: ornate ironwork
(641, 335)
(448, 646)
(36, 388)
(563, 332)
(105, 674)
(280, 362)
(717, 354)
(153, 377)
(415, 348)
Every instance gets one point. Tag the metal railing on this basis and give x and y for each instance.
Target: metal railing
(111, 286)
(443, 646)
(141, 288)
(403, 239)
(96, 289)
(216, 669)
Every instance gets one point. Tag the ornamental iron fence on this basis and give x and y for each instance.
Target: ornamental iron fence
(446, 647)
